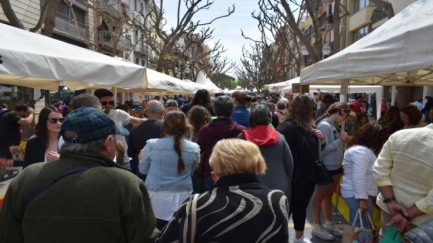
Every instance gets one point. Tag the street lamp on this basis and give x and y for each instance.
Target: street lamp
(304, 53)
(326, 50)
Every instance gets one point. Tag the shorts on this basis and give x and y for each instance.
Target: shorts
(336, 172)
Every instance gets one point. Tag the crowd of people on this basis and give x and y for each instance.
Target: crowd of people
(221, 168)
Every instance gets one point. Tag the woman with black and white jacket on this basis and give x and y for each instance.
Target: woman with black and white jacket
(332, 154)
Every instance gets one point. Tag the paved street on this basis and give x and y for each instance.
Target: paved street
(338, 219)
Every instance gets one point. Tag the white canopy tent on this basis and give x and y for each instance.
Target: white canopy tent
(204, 80)
(37, 61)
(378, 90)
(398, 53)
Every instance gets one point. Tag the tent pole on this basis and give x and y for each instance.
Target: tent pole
(115, 96)
(393, 94)
(344, 90)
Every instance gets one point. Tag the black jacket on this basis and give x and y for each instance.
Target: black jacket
(35, 152)
(188, 107)
(237, 209)
(301, 143)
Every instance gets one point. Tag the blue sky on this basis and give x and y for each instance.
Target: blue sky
(228, 30)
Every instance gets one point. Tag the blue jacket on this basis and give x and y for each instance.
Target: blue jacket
(241, 116)
(159, 162)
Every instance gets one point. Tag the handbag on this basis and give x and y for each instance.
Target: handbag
(323, 175)
(421, 234)
(354, 234)
(392, 235)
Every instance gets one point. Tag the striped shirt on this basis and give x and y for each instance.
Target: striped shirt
(406, 164)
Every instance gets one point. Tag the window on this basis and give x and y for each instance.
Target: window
(137, 61)
(360, 4)
(361, 33)
(64, 12)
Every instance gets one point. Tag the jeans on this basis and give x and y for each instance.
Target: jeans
(353, 209)
(201, 185)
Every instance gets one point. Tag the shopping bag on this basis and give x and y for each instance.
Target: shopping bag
(392, 235)
(364, 234)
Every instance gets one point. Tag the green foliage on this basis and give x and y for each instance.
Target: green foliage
(224, 81)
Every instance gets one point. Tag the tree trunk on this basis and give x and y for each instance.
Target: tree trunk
(53, 5)
(10, 14)
(336, 26)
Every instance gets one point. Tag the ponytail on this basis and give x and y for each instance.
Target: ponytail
(180, 165)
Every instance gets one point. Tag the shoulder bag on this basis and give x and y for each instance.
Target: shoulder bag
(323, 175)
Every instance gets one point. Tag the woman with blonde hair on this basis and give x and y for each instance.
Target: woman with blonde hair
(169, 163)
(304, 142)
(332, 154)
(235, 205)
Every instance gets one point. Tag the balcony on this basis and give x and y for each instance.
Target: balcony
(142, 48)
(361, 18)
(109, 39)
(115, 8)
(66, 25)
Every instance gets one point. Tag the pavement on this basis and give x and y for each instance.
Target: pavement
(336, 217)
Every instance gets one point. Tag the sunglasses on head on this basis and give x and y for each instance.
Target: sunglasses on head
(171, 105)
(55, 120)
(107, 102)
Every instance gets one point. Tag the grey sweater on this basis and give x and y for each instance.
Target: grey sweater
(333, 151)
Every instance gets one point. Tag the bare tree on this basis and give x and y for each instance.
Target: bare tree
(165, 43)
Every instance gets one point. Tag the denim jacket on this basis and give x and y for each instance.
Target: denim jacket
(159, 162)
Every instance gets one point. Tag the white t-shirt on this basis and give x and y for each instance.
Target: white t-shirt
(121, 118)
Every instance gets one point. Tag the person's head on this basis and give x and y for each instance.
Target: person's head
(358, 97)
(154, 110)
(392, 114)
(105, 97)
(175, 124)
(201, 97)
(86, 100)
(419, 100)
(282, 105)
(337, 112)
(144, 103)
(21, 110)
(372, 135)
(328, 100)
(216, 95)
(223, 106)
(362, 118)
(88, 130)
(259, 115)
(259, 98)
(231, 156)
(124, 108)
(198, 116)
(241, 98)
(4, 106)
(410, 115)
(171, 105)
(49, 122)
(271, 107)
(301, 111)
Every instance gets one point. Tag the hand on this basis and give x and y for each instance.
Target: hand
(363, 205)
(395, 208)
(140, 155)
(399, 221)
(343, 135)
(30, 111)
(52, 156)
(318, 134)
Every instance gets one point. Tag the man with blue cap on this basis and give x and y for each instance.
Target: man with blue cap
(82, 197)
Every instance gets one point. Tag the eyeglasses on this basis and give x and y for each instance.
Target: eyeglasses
(55, 120)
(107, 102)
